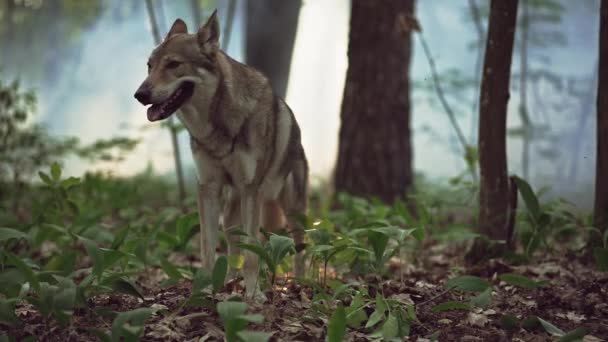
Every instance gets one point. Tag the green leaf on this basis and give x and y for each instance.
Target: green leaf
(260, 252)
(483, 299)
(10, 233)
(70, 182)
(336, 328)
(125, 286)
(390, 329)
(201, 280)
(529, 197)
(130, 324)
(467, 283)
(375, 318)
(253, 336)
(253, 318)
(550, 328)
(220, 270)
(451, 306)
(229, 310)
(279, 247)
(355, 318)
(95, 254)
(521, 281)
(55, 171)
(575, 335)
(24, 269)
(170, 269)
(119, 239)
(7, 312)
(509, 322)
(45, 178)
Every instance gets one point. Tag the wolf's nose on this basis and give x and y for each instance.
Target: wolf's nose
(143, 96)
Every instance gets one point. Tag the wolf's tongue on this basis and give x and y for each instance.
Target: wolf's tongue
(155, 113)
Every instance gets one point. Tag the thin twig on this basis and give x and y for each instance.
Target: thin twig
(444, 102)
(172, 127)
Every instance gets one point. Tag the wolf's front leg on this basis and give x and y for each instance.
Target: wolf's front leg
(250, 213)
(208, 200)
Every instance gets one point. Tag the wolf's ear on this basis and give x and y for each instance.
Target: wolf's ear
(208, 35)
(179, 26)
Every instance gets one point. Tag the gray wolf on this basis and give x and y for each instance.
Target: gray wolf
(243, 137)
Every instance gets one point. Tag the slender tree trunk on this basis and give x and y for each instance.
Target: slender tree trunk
(172, 128)
(601, 171)
(481, 36)
(375, 154)
(271, 32)
(523, 91)
(494, 192)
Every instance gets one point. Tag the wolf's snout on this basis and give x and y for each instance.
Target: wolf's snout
(143, 96)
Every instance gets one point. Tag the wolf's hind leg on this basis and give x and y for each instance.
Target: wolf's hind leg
(294, 200)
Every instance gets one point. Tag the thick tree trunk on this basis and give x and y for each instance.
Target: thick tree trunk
(494, 185)
(601, 171)
(271, 32)
(375, 154)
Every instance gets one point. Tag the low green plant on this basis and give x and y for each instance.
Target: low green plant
(235, 320)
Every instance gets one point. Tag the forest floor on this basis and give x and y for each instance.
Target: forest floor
(573, 296)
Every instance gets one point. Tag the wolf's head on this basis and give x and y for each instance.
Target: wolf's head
(182, 65)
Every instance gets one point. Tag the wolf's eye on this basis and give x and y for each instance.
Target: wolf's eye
(149, 66)
(172, 64)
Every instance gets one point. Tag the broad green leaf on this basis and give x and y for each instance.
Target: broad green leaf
(24, 269)
(121, 285)
(509, 322)
(125, 321)
(375, 318)
(483, 299)
(280, 246)
(529, 197)
(70, 182)
(120, 238)
(220, 270)
(575, 335)
(45, 178)
(467, 283)
(252, 318)
(550, 328)
(260, 252)
(336, 328)
(202, 279)
(451, 306)
(170, 269)
(95, 254)
(55, 171)
(231, 310)
(10, 233)
(390, 329)
(7, 312)
(355, 318)
(521, 281)
(253, 336)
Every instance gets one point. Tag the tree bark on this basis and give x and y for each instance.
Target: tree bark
(271, 32)
(375, 154)
(601, 171)
(494, 185)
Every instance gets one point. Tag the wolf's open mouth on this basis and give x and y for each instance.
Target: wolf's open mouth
(163, 110)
